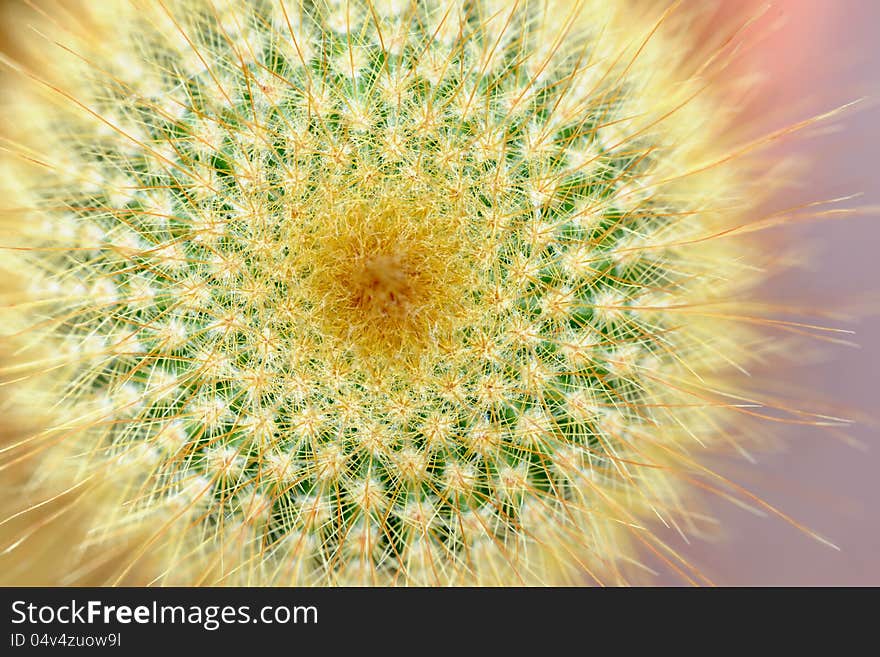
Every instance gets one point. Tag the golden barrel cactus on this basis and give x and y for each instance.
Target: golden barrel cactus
(368, 291)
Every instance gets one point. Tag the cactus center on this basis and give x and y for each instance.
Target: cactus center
(387, 275)
(384, 286)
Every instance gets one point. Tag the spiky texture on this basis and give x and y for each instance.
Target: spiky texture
(388, 293)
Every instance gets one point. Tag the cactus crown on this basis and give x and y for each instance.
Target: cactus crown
(375, 292)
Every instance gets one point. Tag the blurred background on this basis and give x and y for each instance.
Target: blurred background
(815, 55)
(819, 54)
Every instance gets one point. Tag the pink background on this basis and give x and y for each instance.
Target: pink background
(826, 53)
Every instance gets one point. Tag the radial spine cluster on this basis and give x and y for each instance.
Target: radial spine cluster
(367, 292)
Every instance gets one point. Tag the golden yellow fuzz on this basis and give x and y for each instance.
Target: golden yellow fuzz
(371, 292)
(383, 276)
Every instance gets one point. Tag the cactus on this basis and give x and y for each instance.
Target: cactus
(371, 292)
